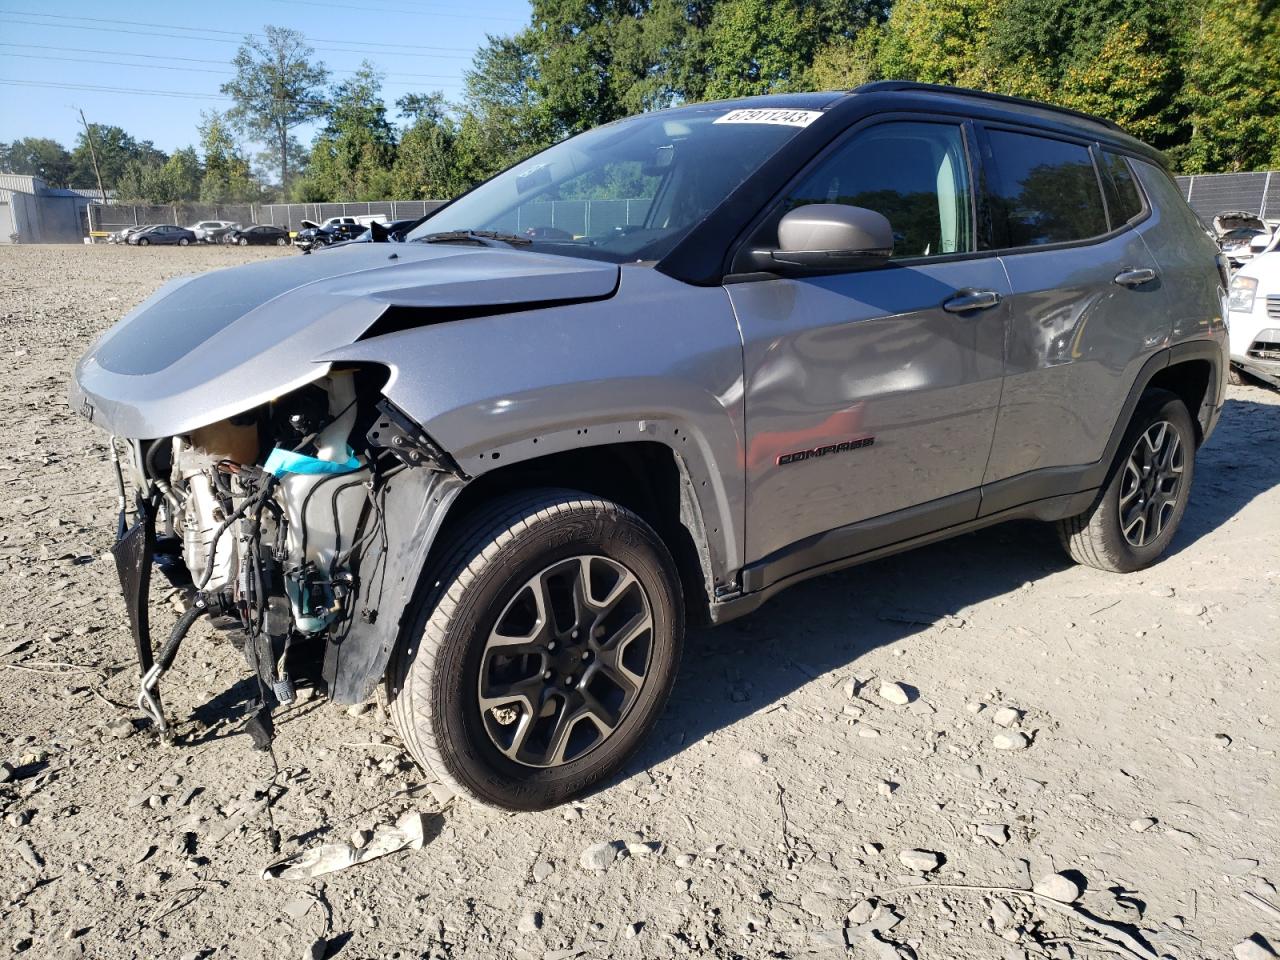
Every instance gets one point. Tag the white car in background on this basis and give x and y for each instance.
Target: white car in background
(210, 231)
(1254, 315)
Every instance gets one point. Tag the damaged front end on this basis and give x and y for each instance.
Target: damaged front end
(274, 481)
(294, 526)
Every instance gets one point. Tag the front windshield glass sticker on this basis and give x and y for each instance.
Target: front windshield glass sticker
(789, 118)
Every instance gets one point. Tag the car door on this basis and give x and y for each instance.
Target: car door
(872, 392)
(1084, 315)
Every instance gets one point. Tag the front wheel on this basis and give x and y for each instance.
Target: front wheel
(1135, 519)
(144, 242)
(244, 241)
(541, 653)
(183, 241)
(281, 241)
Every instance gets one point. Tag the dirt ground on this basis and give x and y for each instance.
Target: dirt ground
(781, 789)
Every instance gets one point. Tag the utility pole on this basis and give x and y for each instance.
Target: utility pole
(93, 155)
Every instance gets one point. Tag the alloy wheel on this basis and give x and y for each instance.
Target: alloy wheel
(1151, 484)
(565, 661)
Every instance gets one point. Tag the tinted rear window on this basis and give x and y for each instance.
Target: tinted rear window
(1044, 191)
(1124, 202)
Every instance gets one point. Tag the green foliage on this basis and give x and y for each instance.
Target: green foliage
(1232, 89)
(757, 46)
(116, 150)
(226, 172)
(351, 158)
(37, 157)
(276, 88)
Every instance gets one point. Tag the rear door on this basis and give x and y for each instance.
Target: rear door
(873, 391)
(1085, 312)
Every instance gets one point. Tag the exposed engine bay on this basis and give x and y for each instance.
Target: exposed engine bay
(274, 524)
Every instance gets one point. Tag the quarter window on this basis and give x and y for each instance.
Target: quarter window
(1044, 191)
(915, 174)
(1124, 202)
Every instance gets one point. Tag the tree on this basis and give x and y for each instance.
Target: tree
(226, 172)
(757, 46)
(1231, 93)
(938, 41)
(37, 157)
(842, 64)
(277, 87)
(352, 156)
(426, 166)
(117, 150)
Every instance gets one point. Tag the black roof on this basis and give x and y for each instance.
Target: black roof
(998, 106)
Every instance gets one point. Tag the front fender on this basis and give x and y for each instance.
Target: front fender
(659, 361)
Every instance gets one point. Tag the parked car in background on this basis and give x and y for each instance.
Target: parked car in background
(333, 230)
(378, 232)
(1254, 315)
(258, 234)
(209, 231)
(535, 456)
(122, 236)
(1236, 231)
(162, 233)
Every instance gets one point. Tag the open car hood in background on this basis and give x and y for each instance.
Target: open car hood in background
(1228, 220)
(206, 347)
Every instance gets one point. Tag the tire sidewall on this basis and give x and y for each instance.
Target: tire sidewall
(1153, 408)
(459, 727)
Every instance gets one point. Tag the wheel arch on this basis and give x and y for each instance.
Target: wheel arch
(647, 477)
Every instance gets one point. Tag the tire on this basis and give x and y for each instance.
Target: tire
(281, 242)
(511, 756)
(183, 241)
(244, 241)
(1099, 537)
(144, 242)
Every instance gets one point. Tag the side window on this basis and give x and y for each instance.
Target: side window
(915, 174)
(1124, 202)
(1043, 190)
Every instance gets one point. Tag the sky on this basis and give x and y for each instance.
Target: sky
(163, 62)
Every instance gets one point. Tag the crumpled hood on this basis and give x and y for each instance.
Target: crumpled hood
(206, 347)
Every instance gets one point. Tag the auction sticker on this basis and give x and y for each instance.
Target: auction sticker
(788, 118)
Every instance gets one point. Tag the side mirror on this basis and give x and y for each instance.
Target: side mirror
(828, 236)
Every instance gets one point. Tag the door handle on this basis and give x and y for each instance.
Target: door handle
(970, 299)
(1135, 276)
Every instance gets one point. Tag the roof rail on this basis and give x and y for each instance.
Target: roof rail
(889, 86)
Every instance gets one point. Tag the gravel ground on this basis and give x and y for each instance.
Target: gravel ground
(1120, 732)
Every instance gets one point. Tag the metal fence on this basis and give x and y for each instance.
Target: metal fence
(1211, 193)
(1208, 194)
(107, 218)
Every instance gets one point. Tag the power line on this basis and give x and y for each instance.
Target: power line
(180, 94)
(231, 33)
(165, 66)
(423, 51)
(111, 53)
(412, 13)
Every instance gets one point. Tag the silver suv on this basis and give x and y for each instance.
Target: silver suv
(655, 373)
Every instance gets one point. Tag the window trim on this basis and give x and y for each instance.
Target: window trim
(1112, 232)
(1102, 150)
(966, 127)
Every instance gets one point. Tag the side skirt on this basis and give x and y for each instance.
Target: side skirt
(898, 532)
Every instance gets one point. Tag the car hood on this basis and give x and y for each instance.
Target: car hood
(1230, 220)
(204, 348)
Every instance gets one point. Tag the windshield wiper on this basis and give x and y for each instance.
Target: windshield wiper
(473, 236)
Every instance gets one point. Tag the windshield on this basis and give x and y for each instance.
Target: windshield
(627, 191)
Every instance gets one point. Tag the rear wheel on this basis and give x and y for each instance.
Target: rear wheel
(542, 652)
(1135, 519)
